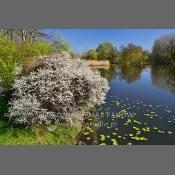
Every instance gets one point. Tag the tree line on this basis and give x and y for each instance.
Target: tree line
(163, 52)
(18, 46)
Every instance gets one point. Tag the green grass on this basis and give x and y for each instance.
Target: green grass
(11, 133)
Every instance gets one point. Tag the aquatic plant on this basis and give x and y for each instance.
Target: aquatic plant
(56, 92)
(138, 129)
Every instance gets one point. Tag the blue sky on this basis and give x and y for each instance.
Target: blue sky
(82, 39)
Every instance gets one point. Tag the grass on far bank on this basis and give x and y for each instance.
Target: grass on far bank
(97, 62)
(11, 133)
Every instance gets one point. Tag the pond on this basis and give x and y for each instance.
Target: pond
(139, 108)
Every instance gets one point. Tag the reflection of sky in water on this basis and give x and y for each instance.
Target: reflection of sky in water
(142, 89)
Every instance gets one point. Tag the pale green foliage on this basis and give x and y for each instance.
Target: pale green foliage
(12, 53)
(105, 51)
(61, 45)
(90, 55)
(8, 57)
(39, 48)
(133, 54)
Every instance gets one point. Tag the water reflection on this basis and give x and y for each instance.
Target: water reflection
(136, 90)
(130, 73)
(163, 77)
(127, 73)
(108, 72)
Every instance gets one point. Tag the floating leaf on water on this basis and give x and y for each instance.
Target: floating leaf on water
(129, 143)
(114, 142)
(88, 128)
(135, 138)
(145, 130)
(86, 133)
(136, 128)
(138, 132)
(103, 144)
(170, 132)
(135, 121)
(88, 138)
(102, 136)
(143, 138)
(139, 138)
(129, 121)
(160, 131)
(155, 127)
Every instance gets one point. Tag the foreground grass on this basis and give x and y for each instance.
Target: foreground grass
(11, 133)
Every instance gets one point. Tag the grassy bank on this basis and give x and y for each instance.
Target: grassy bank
(97, 62)
(11, 133)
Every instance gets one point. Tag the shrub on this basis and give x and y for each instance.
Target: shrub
(29, 49)
(8, 58)
(134, 55)
(56, 92)
(91, 54)
(12, 53)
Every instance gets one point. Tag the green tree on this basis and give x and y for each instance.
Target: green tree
(105, 51)
(133, 54)
(91, 54)
(163, 51)
(60, 44)
(8, 59)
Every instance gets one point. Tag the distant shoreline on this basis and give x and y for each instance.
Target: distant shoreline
(97, 62)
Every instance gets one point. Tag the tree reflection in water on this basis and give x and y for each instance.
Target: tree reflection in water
(163, 77)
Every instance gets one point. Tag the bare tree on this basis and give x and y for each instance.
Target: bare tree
(24, 35)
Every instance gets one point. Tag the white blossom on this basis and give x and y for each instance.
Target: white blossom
(56, 91)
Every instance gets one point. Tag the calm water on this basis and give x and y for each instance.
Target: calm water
(139, 108)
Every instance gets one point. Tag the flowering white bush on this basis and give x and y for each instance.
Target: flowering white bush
(56, 92)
